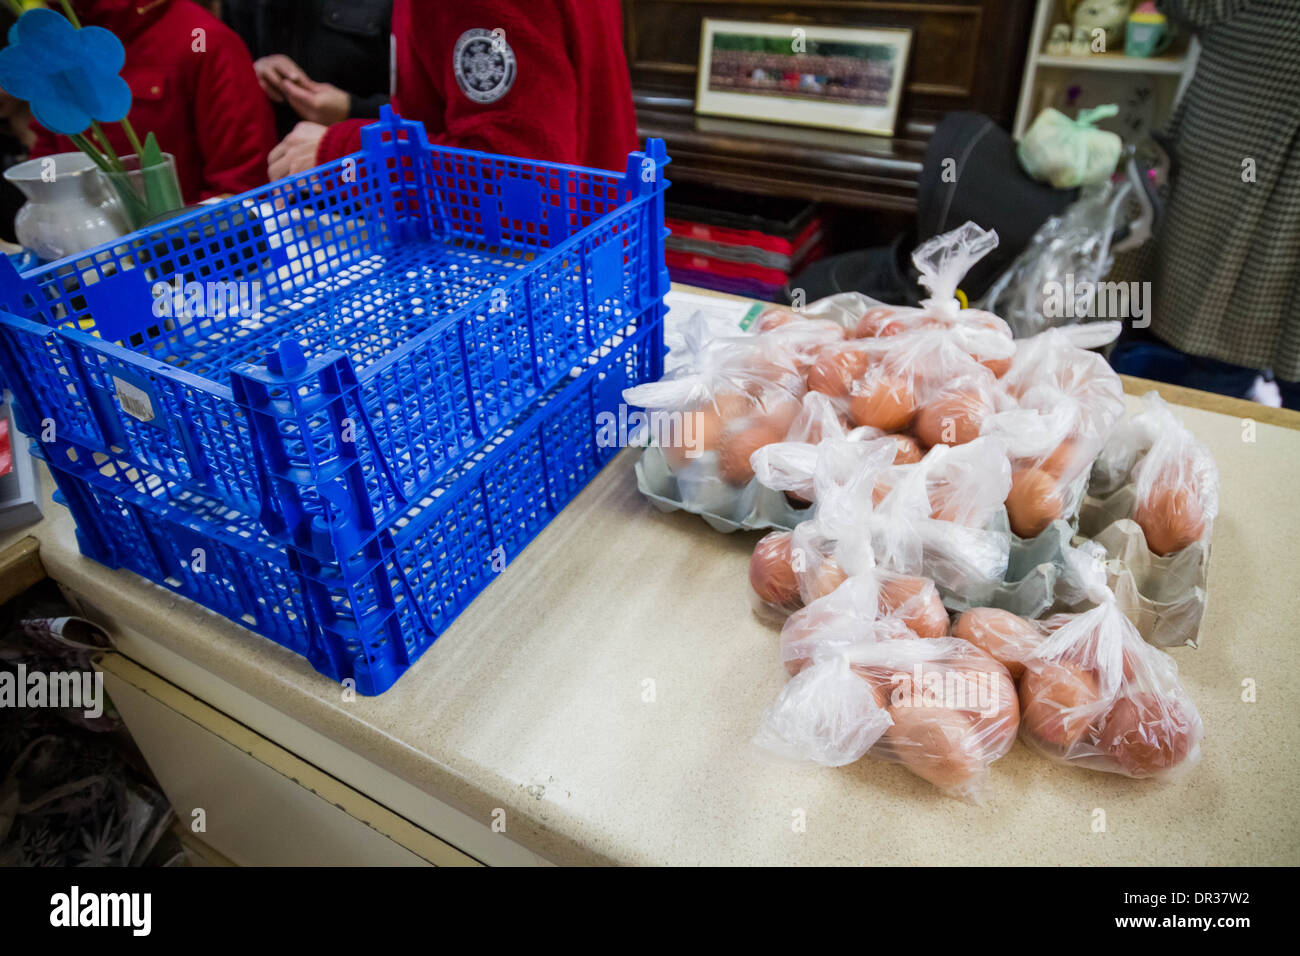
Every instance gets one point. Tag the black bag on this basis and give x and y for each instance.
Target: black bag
(983, 184)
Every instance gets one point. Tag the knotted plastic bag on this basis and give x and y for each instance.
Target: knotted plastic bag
(1177, 486)
(1096, 695)
(1070, 152)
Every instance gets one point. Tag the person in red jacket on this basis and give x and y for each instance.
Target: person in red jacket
(192, 86)
(545, 79)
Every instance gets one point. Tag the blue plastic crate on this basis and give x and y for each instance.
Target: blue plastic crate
(413, 300)
(369, 615)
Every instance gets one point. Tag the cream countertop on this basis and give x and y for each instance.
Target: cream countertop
(605, 690)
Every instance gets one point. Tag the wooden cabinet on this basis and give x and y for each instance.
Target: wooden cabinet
(966, 55)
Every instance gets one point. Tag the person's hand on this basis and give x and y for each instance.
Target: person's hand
(316, 102)
(272, 73)
(295, 153)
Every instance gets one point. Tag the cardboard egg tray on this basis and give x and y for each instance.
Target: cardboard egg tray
(757, 508)
(1164, 597)
(724, 507)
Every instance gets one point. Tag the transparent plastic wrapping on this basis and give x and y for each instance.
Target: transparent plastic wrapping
(940, 518)
(1130, 440)
(1070, 152)
(1006, 637)
(790, 569)
(1053, 282)
(953, 709)
(927, 381)
(939, 706)
(950, 504)
(873, 602)
(710, 414)
(1177, 487)
(1096, 695)
(1068, 401)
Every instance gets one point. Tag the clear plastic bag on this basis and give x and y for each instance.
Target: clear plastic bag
(939, 706)
(789, 569)
(1070, 152)
(926, 381)
(942, 263)
(1068, 401)
(733, 396)
(1130, 440)
(1177, 486)
(1096, 695)
(939, 518)
(1053, 282)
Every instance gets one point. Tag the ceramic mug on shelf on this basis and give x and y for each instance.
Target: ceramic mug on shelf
(1148, 32)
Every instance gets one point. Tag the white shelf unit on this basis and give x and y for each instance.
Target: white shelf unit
(1170, 73)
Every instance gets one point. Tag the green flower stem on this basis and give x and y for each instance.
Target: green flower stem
(107, 147)
(70, 14)
(17, 7)
(134, 140)
(89, 148)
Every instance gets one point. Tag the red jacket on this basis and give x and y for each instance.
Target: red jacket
(204, 106)
(552, 84)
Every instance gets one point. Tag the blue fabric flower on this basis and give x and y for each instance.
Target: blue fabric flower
(68, 76)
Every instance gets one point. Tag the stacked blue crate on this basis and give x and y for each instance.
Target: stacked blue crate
(422, 307)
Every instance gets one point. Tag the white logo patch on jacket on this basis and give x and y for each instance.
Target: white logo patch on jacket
(484, 65)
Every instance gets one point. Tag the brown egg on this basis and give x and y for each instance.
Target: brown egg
(933, 742)
(998, 366)
(954, 418)
(780, 413)
(1047, 690)
(1171, 518)
(917, 602)
(706, 428)
(1060, 463)
(833, 372)
(821, 579)
(1146, 734)
(733, 406)
(880, 678)
(770, 572)
(873, 321)
(909, 452)
(738, 443)
(886, 402)
(1007, 637)
(1034, 502)
(773, 318)
(995, 732)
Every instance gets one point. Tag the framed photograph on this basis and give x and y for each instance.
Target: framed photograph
(847, 78)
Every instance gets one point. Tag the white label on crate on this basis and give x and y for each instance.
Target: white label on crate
(134, 400)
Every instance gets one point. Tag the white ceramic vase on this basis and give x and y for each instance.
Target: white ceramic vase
(70, 207)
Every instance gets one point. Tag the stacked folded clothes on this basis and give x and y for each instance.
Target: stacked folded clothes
(751, 253)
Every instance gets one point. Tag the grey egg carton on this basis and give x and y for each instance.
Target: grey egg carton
(756, 507)
(724, 507)
(1034, 567)
(1163, 595)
